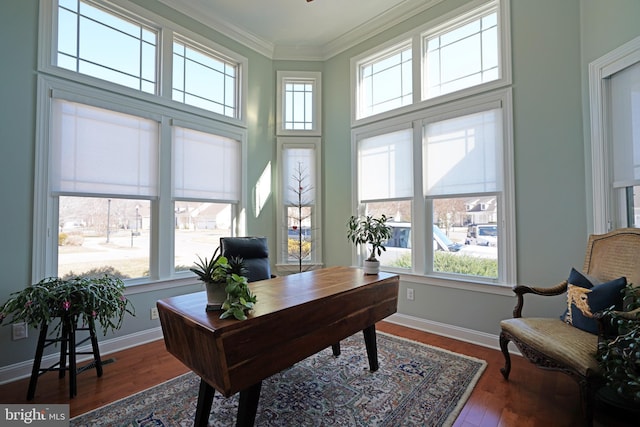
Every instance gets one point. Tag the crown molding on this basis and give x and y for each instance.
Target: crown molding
(375, 26)
(209, 19)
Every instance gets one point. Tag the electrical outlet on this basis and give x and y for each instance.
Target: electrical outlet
(410, 295)
(154, 313)
(19, 331)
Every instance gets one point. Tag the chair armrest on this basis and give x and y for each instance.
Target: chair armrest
(521, 290)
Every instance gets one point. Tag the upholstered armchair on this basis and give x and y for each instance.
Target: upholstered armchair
(569, 342)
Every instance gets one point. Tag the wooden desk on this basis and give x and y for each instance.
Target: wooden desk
(295, 317)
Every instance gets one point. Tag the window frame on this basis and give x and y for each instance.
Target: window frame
(417, 37)
(420, 271)
(310, 77)
(104, 94)
(167, 32)
(282, 259)
(609, 204)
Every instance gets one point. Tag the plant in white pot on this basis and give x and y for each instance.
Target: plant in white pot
(373, 231)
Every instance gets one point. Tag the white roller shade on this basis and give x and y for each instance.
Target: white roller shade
(98, 151)
(299, 163)
(205, 166)
(463, 155)
(385, 166)
(625, 127)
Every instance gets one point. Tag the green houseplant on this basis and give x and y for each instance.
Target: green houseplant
(619, 355)
(373, 231)
(227, 287)
(100, 299)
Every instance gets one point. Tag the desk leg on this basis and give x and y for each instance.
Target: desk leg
(248, 405)
(205, 400)
(372, 347)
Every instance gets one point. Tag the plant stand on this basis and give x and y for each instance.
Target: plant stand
(67, 338)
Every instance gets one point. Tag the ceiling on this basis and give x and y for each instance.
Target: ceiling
(299, 29)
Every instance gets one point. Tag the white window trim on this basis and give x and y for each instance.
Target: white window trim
(166, 29)
(600, 70)
(44, 260)
(507, 249)
(282, 232)
(417, 35)
(315, 77)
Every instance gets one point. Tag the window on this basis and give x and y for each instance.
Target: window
(614, 81)
(106, 45)
(463, 176)
(298, 103)
(299, 237)
(443, 176)
(385, 186)
(433, 147)
(130, 182)
(385, 81)
(204, 80)
(462, 53)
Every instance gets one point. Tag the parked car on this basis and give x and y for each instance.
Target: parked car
(401, 238)
(482, 235)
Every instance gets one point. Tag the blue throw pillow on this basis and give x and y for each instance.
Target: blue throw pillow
(584, 299)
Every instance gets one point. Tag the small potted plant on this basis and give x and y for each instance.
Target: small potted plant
(226, 286)
(619, 354)
(99, 299)
(373, 231)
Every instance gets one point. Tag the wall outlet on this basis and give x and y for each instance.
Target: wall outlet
(19, 331)
(154, 313)
(410, 295)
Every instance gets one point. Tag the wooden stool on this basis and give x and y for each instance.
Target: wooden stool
(67, 338)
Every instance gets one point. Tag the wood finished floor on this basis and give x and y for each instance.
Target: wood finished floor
(532, 397)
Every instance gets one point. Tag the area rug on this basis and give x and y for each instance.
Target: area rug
(416, 385)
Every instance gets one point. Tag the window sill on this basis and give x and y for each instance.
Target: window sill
(456, 283)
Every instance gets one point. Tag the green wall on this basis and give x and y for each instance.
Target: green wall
(552, 44)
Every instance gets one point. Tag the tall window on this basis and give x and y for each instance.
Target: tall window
(299, 103)
(106, 45)
(299, 236)
(130, 183)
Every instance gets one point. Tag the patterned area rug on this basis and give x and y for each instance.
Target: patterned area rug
(416, 385)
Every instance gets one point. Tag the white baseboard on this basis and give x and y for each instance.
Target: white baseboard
(21, 370)
(461, 334)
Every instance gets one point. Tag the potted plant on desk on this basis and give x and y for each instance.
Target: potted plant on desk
(226, 286)
(369, 230)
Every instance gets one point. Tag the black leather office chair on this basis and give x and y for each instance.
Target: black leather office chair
(254, 252)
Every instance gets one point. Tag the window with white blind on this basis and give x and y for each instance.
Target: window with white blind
(614, 84)
(139, 166)
(444, 178)
(385, 186)
(462, 171)
(299, 236)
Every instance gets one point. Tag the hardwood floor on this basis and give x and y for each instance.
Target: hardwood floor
(532, 397)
